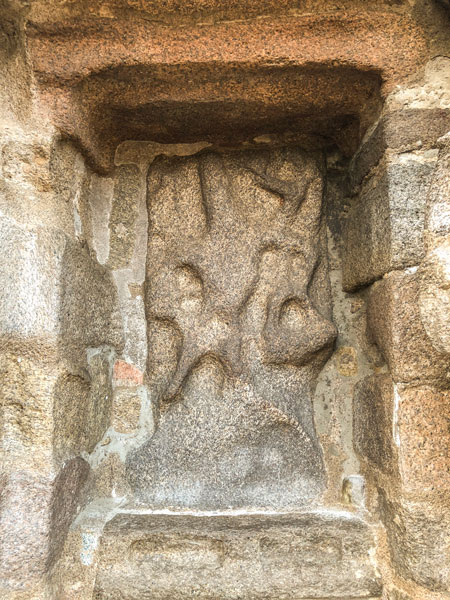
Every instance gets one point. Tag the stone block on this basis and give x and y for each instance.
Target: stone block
(403, 431)
(29, 304)
(56, 293)
(181, 556)
(423, 437)
(25, 161)
(88, 310)
(35, 514)
(400, 130)
(395, 323)
(24, 511)
(373, 410)
(434, 297)
(48, 414)
(384, 228)
(419, 541)
(437, 222)
(82, 407)
(26, 401)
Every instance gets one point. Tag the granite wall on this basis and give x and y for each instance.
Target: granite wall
(248, 315)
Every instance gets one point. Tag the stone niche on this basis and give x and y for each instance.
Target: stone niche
(238, 309)
(246, 238)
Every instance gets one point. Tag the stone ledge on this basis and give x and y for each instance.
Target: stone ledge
(320, 554)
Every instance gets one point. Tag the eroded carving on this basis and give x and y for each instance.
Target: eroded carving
(238, 305)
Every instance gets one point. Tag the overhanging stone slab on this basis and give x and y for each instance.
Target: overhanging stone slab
(162, 556)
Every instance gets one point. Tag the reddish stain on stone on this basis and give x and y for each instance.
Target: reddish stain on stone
(127, 374)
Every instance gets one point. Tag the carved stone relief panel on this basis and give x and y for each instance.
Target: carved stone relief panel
(238, 307)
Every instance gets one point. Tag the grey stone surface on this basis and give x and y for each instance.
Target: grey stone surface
(400, 130)
(394, 321)
(35, 514)
(434, 296)
(434, 299)
(257, 557)
(82, 406)
(127, 190)
(384, 230)
(56, 293)
(31, 265)
(437, 222)
(239, 326)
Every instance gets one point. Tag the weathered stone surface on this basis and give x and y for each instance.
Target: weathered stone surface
(66, 494)
(26, 403)
(124, 212)
(384, 230)
(373, 412)
(434, 299)
(57, 294)
(35, 515)
(419, 541)
(41, 180)
(126, 409)
(395, 323)
(434, 296)
(403, 432)
(400, 130)
(82, 406)
(423, 436)
(138, 78)
(171, 11)
(108, 479)
(437, 221)
(23, 516)
(176, 557)
(395, 594)
(30, 304)
(88, 311)
(238, 303)
(15, 72)
(49, 414)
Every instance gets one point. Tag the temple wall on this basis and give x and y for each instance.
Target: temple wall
(77, 402)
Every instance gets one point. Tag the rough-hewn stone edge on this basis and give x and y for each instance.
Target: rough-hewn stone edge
(399, 131)
(35, 514)
(128, 527)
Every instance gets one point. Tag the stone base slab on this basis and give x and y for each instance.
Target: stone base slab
(175, 556)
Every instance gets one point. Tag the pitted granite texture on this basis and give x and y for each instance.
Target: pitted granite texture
(118, 74)
(229, 557)
(238, 309)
